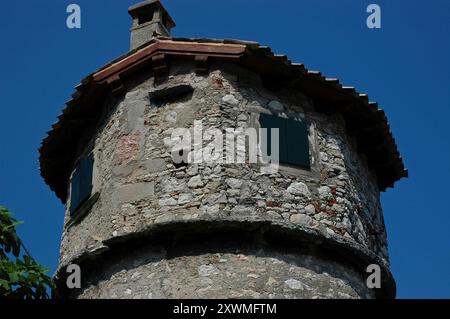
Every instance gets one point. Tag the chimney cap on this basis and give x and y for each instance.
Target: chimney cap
(148, 7)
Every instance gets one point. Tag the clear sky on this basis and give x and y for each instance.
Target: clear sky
(405, 66)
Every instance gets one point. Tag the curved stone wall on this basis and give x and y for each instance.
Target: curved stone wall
(139, 187)
(220, 270)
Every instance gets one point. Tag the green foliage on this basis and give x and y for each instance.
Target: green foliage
(20, 276)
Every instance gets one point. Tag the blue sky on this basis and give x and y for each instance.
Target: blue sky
(405, 66)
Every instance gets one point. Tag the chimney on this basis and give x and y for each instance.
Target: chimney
(150, 20)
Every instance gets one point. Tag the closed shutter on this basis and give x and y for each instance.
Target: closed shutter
(75, 190)
(81, 183)
(293, 144)
(86, 178)
(269, 122)
(297, 143)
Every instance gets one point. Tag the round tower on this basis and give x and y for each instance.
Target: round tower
(196, 168)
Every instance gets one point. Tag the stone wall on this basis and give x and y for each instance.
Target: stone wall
(234, 270)
(140, 187)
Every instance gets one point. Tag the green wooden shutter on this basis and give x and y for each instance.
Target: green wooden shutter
(86, 178)
(293, 144)
(283, 143)
(81, 183)
(75, 190)
(298, 144)
(268, 122)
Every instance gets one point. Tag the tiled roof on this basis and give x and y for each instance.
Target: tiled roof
(364, 119)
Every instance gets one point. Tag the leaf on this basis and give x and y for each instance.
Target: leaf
(20, 276)
(13, 277)
(5, 284)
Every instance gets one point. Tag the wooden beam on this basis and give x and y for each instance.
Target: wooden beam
(146, 54)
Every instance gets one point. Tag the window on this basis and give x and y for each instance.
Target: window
(81, 184)
(293, 145)
(171, 94)
(144, 18)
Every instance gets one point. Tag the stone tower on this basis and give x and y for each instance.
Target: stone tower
(146, 219)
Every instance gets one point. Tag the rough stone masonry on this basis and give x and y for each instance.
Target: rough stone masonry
(156, 229)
